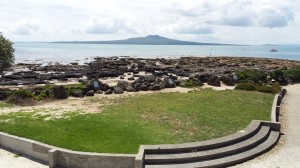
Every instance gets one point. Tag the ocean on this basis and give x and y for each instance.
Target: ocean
(82, 53)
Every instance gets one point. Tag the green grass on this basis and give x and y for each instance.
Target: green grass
(5, 105)
(145, 119)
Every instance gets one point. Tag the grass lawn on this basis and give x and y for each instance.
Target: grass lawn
(145, 119)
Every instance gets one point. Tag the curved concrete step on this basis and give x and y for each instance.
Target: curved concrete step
(248, 132)
(229, 160)
(242, 146)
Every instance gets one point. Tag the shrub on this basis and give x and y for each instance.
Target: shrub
(190, 84)
(6, 53)
(23, 94)
(293, 73)
(267, 89)
(245, 86)
(277, 74)
(251, 75)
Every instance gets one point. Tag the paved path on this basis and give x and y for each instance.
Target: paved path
(11, 160)
(287, 153)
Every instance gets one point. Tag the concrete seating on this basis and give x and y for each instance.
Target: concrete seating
(257, 138)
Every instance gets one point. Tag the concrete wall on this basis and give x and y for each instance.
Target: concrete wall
(28, 147)
(277, 105)
(73, 159)
(57, 157)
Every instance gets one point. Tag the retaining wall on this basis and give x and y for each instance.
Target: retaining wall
(57, 157)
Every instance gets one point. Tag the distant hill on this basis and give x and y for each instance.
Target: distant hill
(148, 40)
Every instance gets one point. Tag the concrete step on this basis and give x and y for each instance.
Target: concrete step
(229, 160)
(248, 132)
(203, 155)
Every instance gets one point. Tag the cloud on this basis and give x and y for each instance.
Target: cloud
(241, 13)
(194, 29)
(27, 27)
(104, 25)
(276, 18)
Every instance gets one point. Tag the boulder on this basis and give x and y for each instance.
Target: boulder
(77, 93)
(90, 93)
(136, 86)
(144, 87)
(214, 81)
(169, 83)
(94, 84)
(204, 77)
(122, 84)
(129, 88)
(156, 87)
(227, 81)
(60, 92)
(109, 91)
(131, 78)
(99, 92)
(148, 78)
(118, 90)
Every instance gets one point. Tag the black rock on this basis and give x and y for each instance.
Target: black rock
(144, 87)
(94, 84)
(156, 87)
(118, 90)
(129, 88)
(104, 87)
(169, 83)
(99, 92)
(131, 78)
(227, 81)
(77, 93)
(214, 81)
(90, 93)
(122, 84)
(60, 92)
(109, 91)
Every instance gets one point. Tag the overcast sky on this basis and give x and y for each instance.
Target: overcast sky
(222, 21)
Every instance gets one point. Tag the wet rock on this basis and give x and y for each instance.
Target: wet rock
(60, 92)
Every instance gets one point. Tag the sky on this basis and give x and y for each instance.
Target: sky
(219, 21)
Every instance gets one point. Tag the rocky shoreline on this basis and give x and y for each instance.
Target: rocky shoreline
(137, 74)
(101, 67)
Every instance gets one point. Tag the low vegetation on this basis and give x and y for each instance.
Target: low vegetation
(144, 119)
(265, 88)
(251, 75)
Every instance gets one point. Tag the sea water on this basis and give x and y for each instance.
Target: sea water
(66, 53)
